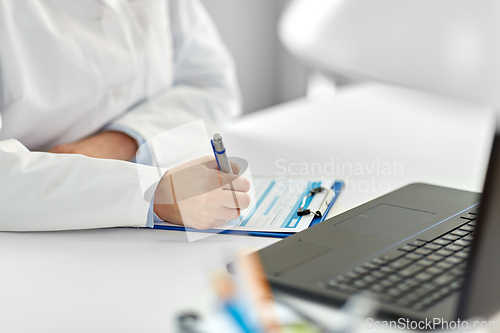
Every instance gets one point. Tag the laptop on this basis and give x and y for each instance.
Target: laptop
(423, 251)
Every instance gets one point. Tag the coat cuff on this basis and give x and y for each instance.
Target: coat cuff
(143, 155)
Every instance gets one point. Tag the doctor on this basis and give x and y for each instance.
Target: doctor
(83, 83)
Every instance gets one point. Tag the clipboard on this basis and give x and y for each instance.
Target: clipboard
(303, 204)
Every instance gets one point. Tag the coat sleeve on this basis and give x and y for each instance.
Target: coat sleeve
(42, 191)
(204, 85)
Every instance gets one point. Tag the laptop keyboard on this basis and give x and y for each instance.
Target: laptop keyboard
(422, 274)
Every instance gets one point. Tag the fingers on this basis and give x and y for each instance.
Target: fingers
(239, 184)
(211, 163)
(227, 214)
(233, 182)
(235, 167)
(229, 181)
(227, 199)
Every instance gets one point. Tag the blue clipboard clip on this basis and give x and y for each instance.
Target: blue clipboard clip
(320, 211)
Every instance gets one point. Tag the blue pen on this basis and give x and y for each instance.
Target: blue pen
(223, 161)
(220, 154)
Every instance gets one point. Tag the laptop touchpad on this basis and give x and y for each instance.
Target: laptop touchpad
(385, 220)
(292, 256)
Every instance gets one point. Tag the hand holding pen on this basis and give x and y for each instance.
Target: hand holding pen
(196, 194)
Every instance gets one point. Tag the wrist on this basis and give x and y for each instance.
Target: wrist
(126, 146)
(164, 204)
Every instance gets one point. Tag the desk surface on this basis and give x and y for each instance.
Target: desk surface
(133, 280)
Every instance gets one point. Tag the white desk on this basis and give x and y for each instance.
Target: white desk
(133, 280)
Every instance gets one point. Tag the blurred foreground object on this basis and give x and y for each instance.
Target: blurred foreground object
(443, 46)
(245, 303)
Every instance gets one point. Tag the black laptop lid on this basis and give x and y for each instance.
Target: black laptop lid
(480, 292)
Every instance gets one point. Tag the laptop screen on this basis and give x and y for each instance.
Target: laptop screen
(480, 292)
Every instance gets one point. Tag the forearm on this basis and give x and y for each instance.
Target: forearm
(108, 144)
(43, 191)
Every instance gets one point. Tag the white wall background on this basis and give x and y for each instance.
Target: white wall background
(267, 74)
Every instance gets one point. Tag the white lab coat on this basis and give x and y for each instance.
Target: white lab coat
(68, 68)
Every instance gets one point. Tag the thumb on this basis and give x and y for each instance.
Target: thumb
(211, 163)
